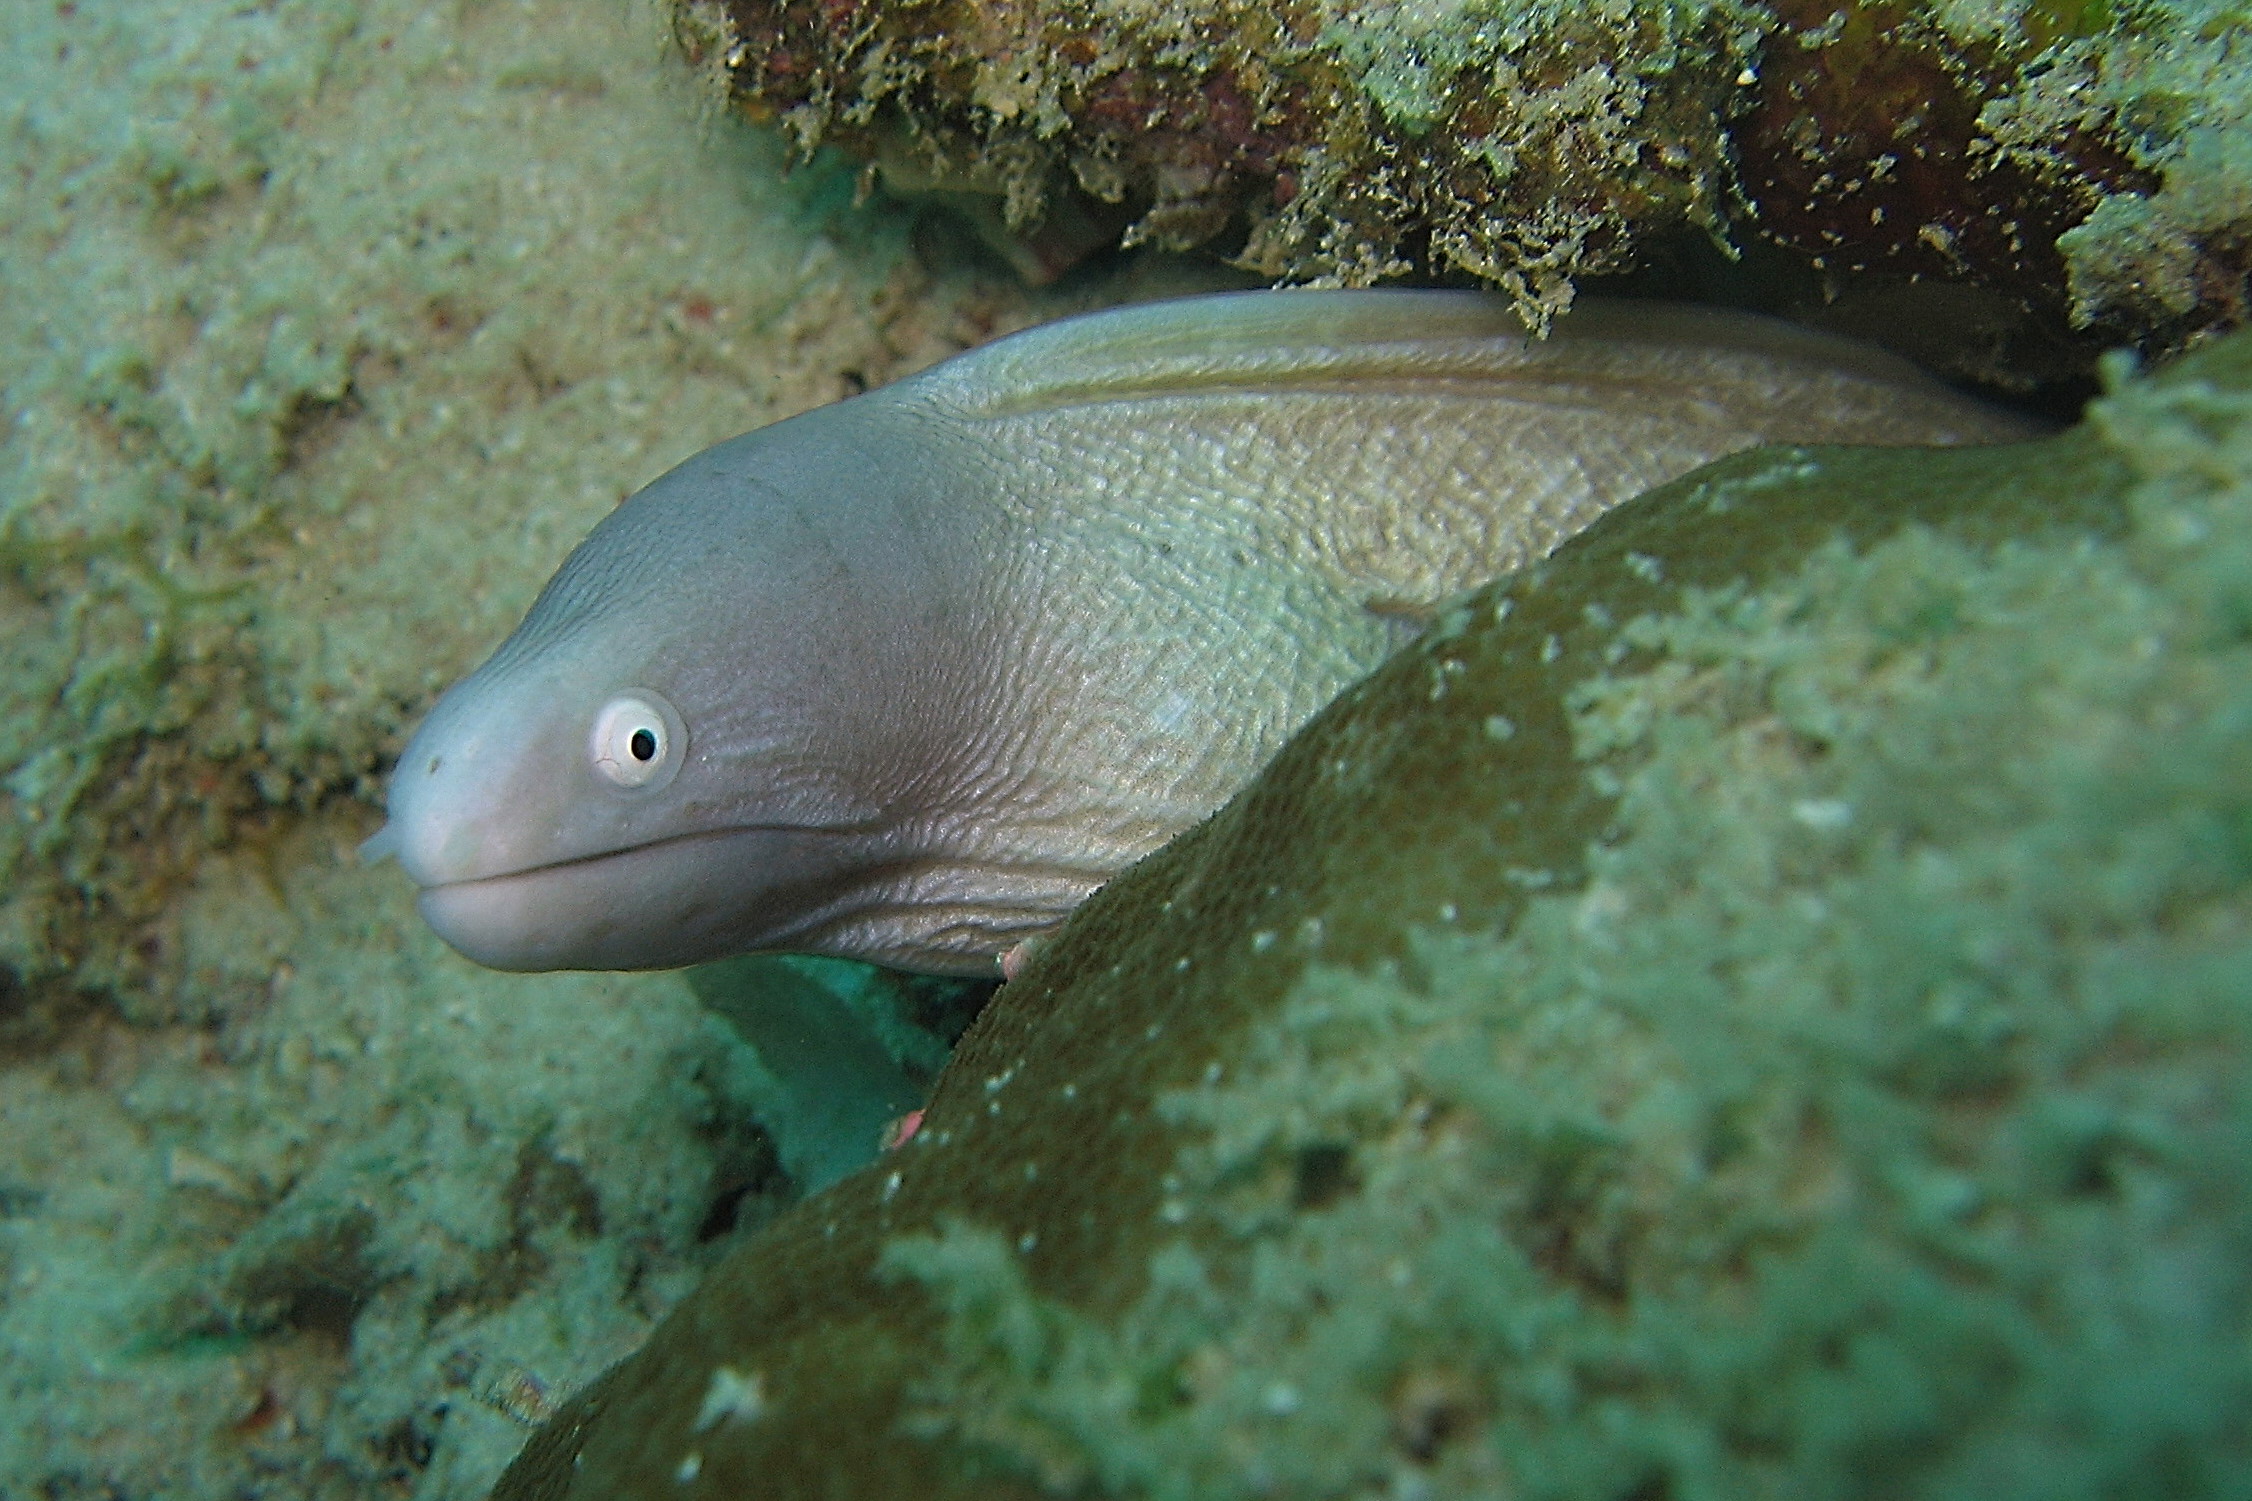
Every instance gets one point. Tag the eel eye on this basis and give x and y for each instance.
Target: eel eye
(637, 741)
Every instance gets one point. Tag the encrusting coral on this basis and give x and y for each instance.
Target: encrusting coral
(1755, 1005)
(2080, 160)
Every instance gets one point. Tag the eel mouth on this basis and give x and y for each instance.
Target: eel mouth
(657, 905)
(623, 854)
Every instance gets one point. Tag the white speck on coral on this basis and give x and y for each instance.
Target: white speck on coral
(1601, 906)
(1824, 814)
(732, 1398)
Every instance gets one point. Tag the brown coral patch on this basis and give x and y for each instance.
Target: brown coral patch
(1863, 150)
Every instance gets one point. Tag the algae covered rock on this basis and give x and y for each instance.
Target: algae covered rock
(2079, 161)
(1757, 1005)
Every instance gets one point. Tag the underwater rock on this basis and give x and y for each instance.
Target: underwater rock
(2073, 156)
(1754, 1005)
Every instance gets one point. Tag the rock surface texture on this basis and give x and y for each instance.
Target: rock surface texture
(2058, 162)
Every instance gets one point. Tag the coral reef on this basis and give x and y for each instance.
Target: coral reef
(2081, 161)
(1343, 145)
(331, 323)
(1755, 1005)
(341, 1242)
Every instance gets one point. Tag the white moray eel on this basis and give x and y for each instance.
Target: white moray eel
(907, 677)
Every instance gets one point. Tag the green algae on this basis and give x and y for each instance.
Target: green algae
(1753, 1006)
(2079, 163)
(2179, 82)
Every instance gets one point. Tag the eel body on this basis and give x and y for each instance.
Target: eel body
(907, 677)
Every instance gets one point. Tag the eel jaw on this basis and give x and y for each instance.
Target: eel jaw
(672, 902)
